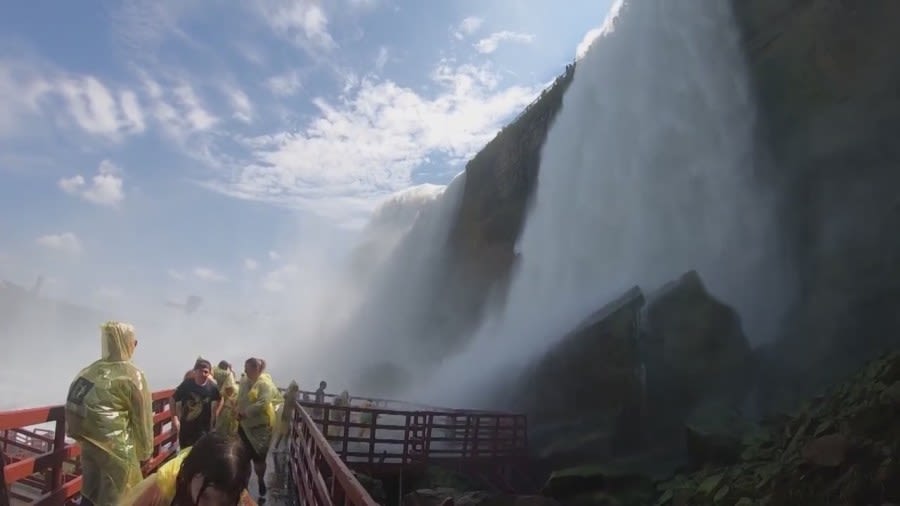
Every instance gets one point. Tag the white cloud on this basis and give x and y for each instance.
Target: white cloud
(105, 188)
(31, 89)
(284, 84)
(279, 279)
(176, 275)
(273, 255)
(178, 109)
(382, 58)
(468, 26)
(490, 43)
(302, 22)
(207, 274)
(240, 102)
(67, 242)
(366, 144)
(250, 264)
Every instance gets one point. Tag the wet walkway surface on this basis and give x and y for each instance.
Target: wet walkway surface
(279, 491)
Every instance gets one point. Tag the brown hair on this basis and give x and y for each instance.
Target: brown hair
(222, 461)
(258, 363)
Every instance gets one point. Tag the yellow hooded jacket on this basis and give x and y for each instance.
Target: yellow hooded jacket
(109, 412)
(227, 421)
(258, 402)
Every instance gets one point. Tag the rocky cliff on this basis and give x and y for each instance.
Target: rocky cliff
(827, 76)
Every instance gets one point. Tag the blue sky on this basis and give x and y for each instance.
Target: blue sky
(189, 146)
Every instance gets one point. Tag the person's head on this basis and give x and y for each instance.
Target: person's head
(323, 385)
(214, 473)
(202, 370)
(253, 367)
(224, 365)
(293, 387)
(117, 341)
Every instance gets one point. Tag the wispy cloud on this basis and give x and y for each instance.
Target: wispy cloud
(250, 264)
(302, 22)
(467, 27)
(104, 189)
(66, 242)
(208, 274)
(366, 145)
(30, 88)
(490, 43)
(284, 84)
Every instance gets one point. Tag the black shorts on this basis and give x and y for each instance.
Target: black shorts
(254, 455)
(190, 433)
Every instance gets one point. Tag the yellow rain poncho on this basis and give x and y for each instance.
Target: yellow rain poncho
(286, 410)
(159, 488)
(109, 412)
(227, 422)
(258, 402)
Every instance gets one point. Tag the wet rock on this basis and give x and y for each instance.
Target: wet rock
(373, 486)
(599, 483)
(429, 497)
(826, 451)
(699, 339)
(840, 448)
(714, 435)
(451, 497)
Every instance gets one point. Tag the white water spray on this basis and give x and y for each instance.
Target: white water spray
(646, 173)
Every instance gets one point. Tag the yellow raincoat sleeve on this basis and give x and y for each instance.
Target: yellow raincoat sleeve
(142, 418)
(157, 489)
(261, 399)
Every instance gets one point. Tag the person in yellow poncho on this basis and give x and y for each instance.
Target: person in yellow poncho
(109, 412)
(226, 422)
(291, 396)
(213, 472)
(256, 405)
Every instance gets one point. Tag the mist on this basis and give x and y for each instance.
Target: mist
(646, 173)
(306, 321)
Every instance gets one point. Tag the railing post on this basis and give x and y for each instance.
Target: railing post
(59, 446)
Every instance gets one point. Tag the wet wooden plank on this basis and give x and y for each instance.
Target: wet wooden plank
(277, 481)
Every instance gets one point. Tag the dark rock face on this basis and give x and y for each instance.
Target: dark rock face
(591, 370)
(698, 340)
(499, 182)
(826, 74)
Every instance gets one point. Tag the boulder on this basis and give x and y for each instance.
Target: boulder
(373, 486)
(699, 341)
(451, 497)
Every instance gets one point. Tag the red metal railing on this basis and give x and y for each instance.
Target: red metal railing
(333, 440)
(42, 466)
(327, 444)
(320, 477)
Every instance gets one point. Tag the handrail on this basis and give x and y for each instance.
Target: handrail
(370, 437)
(401, 405)
(52, 466)
(321, 478)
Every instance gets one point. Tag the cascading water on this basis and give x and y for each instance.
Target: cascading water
(646, 173)
(403, 264)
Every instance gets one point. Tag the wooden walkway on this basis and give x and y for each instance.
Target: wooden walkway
(327, 445)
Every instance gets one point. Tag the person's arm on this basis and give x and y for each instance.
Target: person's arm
(179, 397)
(215, 408)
